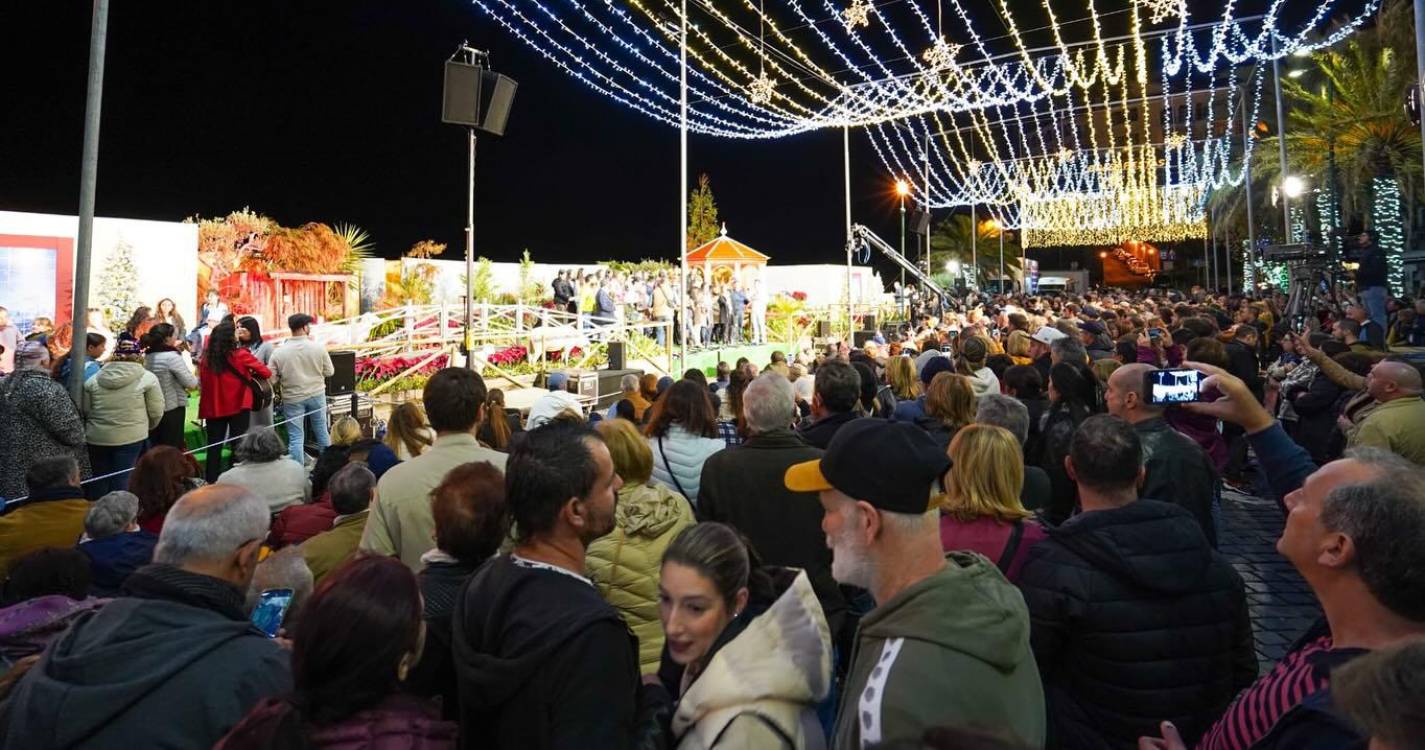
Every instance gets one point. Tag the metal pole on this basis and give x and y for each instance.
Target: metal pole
(1281, 142)
(1001, 257)
(925, 205)
(1247, 183)
(846, 157)
(683, 189)
(1227, 256)
(1216, 265)
(88, 180)
(974, 249)
(470, 257)
(903, 297)
(1419, 65)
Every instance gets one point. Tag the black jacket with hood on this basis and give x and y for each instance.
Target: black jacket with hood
(1178, 471)
(1135, 620)
(176, 664)
(543, 662)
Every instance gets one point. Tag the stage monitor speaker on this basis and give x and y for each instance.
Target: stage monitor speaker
(919, 222)
(477, 98)
(343, 380)
(859, 338)
(823, 329)
(616, 355)
(869, 322)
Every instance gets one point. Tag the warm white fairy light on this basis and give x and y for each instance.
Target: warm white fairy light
(761, 89)
(857, 14)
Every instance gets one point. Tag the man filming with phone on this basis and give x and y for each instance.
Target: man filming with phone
(1176, 469)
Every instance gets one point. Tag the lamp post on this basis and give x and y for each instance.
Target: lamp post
(88, 180)
(902, 190)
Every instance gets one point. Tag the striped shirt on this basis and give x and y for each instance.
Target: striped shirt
(1258, 708)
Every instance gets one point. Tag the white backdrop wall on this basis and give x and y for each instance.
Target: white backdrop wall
(165, 253)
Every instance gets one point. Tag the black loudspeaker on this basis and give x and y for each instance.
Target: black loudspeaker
(868, 322)
(343, 380)
(859, 338)
(823, 329)
(919, 222)
(476, 97)
(616, 355)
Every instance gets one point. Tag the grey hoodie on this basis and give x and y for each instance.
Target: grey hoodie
(951, 650)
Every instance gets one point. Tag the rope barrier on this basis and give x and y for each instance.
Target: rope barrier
(111, 475)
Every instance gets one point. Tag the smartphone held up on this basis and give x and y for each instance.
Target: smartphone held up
(1166, 387)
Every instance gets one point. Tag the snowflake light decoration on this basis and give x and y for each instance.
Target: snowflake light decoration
(942, 54)
(974, 165)
(1160, 10)
(1177, 140)
(761, 89)
(858, 13)
(1066, 154)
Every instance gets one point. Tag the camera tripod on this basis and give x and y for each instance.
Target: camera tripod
(1309, 280)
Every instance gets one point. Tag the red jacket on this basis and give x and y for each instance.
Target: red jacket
(223, 393)
(299, 523)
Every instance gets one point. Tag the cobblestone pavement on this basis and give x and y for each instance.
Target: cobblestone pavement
(1281, 603)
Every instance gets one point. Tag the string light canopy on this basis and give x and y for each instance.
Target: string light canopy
(855, 63)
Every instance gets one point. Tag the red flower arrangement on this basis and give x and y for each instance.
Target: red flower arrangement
(385, 368)
(799, 296)
(512, 355)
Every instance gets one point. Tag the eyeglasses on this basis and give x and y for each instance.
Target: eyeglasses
(263, 552)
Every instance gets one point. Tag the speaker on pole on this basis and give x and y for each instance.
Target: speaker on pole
(477, 97)
(919, 222)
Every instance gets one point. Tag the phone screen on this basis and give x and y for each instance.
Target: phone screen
(1156, 333)
(271, 610)
(1173, 386)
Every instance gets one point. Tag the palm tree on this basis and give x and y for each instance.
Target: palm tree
(1350, 108)
(950, 240)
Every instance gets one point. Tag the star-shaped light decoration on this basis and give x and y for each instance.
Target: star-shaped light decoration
(858, 13)
(1177, 140)
(1066, 154)
(941, 55)
(1161, 10)
(974, 165)
(761, 89)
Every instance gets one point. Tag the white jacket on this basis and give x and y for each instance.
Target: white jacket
(985, 382)
(121, 404)
(682, 455)
(772, 674)
(174, 375)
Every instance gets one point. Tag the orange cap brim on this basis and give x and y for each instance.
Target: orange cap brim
(806, 477)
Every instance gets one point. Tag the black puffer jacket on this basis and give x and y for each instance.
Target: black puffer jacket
(1134, 620)
(1178, 471)
(1316, 416)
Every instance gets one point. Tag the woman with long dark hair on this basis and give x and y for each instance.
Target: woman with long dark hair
(682, 433)
(175, 378)
(360, 635)
(225, 401)
(500, 424)
(138, 325)
(249, 335)
(721, 610)
(1069, 405)
(162, 475)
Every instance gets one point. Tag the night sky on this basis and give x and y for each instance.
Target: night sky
(330, 111)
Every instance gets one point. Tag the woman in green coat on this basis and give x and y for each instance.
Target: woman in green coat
(624, 564)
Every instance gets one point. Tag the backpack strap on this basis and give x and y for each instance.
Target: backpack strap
(1016, 533)
(671, 474)
(781, 734)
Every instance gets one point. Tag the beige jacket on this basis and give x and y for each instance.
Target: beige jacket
(401, 523)
(771, 675)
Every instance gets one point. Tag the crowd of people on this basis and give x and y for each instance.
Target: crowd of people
(977, 531)
(719, 313)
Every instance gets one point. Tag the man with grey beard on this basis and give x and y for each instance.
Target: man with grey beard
(948, 643)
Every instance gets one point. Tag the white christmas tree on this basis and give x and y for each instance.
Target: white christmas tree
(119, 285)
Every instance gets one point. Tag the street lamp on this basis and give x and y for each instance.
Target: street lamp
(1293, 186)
(902, 190)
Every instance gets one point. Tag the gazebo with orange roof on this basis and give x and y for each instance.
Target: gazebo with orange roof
(724, 259)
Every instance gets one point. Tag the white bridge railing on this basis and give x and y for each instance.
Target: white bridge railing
(441, 329)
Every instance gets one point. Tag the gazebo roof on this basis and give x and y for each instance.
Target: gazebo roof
(724, 248)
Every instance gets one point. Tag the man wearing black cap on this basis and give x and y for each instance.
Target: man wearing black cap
(1095, 340)
(948, 643)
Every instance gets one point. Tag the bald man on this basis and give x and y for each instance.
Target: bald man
(1176, 470)
(1398, 423)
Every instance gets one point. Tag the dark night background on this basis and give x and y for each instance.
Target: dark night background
(330, 111)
